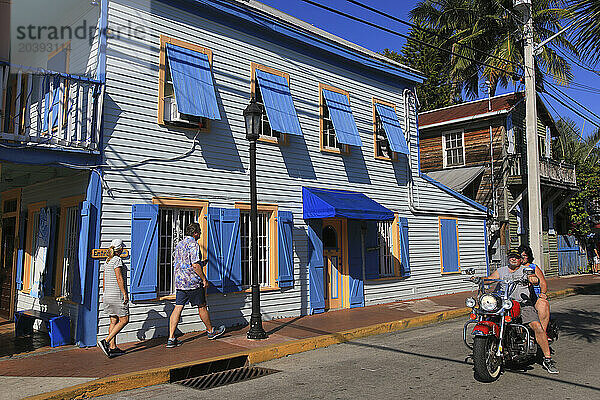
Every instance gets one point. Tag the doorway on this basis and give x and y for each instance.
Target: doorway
(333, 264)
(8, 239)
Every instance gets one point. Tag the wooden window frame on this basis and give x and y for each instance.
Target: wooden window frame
(12, 194)
(65, 203)
(394, 154)
(345, 150)
(284, 137)
(162, 75)
(273, 242)
(66, 46)
(458, 271)
(31, 210)
(444, 156)
(179, 202)
(396, 252)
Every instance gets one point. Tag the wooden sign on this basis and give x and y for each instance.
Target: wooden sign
(102, 253)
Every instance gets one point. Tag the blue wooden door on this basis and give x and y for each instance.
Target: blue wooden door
(568, 255)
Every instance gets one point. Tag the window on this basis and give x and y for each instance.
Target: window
(267, 133)
(386, 245)
(68, 246)
(329, 141)
(453, 148)
(33, 214)
(267, 240)
(380, 137)
(167, 90)
(173, 216)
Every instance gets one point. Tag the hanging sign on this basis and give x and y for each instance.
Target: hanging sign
(102, 253)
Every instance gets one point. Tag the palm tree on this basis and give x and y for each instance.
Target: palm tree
(587, 34)
(573, 148)
(490, 32)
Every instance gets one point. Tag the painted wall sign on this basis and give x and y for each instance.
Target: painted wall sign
(102, 253)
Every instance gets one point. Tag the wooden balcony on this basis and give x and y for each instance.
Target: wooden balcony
(49, 109)
(552, 172)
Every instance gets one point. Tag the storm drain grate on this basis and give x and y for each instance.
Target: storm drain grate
(225, 377)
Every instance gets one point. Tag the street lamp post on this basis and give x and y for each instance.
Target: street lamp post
(252, 117)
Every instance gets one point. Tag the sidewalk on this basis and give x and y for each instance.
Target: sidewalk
(149, 362)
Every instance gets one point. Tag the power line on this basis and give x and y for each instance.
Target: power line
(430, 31)
(573, 110)
(352, 17)
(557, 90)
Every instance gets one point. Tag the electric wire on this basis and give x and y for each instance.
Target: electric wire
(572, 109)
(560, 92)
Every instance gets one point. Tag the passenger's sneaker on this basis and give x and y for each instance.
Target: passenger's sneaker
(173, 343)
(216, 332)
(549, 365)
(116, 352)
(103, 344)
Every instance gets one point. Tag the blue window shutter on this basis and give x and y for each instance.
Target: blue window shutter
(51, 105)
(449, 245)
(285, 224)
(214, 270)
(392, 128)
(231, 250)
(83, 251)
(372, 251)
(357, 296)
(404, 246)
(48, 284)
(278, 103)
(144, 251)
(341, 116)
(315, 266)
(21, 250)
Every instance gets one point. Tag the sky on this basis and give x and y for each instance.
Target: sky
(377, 40)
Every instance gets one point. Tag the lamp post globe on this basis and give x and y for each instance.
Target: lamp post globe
(252, 119)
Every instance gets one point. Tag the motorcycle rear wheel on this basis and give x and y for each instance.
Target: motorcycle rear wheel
(487, 364)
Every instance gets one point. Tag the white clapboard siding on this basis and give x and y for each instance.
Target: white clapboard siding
(221, 161)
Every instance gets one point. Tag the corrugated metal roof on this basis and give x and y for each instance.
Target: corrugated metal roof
(457, 178)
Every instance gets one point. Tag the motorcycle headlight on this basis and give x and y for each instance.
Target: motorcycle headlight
(507, 304)
(470, 302)
(488, 302)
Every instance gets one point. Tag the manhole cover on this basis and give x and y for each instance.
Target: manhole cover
(225, 377)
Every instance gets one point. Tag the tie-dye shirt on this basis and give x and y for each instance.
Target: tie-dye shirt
(186, 253)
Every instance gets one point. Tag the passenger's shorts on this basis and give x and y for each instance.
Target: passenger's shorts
(196, 297)
(116, 308)
(529, 314)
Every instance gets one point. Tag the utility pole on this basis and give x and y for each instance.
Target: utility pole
(534, 193)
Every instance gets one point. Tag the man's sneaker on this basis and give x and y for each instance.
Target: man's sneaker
(103, 344)
(116, 352)
(172, 343)
(550, 366)
(216, 332)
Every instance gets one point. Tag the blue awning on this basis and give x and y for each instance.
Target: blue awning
(278, 102)
(193, 82)
(342, 118)
(392, 128)
(329, 203)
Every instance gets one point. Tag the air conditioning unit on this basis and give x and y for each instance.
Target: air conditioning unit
(172, 116)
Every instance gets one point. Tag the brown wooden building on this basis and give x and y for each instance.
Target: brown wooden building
(460, 146)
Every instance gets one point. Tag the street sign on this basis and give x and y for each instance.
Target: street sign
(102, 253)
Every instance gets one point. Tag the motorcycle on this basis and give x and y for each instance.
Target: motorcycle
(500, 340)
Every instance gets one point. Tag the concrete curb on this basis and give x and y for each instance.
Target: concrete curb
(156, 376)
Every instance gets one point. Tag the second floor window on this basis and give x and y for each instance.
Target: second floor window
(329, 139)
(453, 148)
(382, 144)
(265, 127)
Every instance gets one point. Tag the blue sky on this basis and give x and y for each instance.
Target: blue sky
(377, 40)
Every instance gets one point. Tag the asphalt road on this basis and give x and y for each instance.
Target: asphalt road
(423, 363)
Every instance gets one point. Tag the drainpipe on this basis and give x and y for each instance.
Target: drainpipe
(414, 208)
(495, 214)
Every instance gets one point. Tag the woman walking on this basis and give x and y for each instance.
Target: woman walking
(114, 300)
(542, 305)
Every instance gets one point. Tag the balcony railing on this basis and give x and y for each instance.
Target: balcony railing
(550, 170)
(49, 109)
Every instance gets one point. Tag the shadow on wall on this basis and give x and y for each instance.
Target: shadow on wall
(401, 170)
(356, 168)
(301, 246)
(297, 158)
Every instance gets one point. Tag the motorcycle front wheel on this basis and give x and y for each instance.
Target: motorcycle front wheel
(486, 363)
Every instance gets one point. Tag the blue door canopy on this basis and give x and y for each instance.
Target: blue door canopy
(329, 203)
(342, 118)
(193, 82)
(278, 103)
(392, 128)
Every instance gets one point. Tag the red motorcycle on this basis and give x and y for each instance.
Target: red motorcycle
(500, 340)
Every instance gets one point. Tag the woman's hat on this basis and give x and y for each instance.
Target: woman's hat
(117, 244)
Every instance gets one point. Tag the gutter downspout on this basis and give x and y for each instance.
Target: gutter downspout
(414, 208)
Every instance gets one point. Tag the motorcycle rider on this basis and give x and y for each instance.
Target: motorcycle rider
(529, 315)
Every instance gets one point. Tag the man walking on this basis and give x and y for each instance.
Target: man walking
(190, 283)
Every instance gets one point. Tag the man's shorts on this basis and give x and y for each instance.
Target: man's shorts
(529, 314)
(196, 297)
